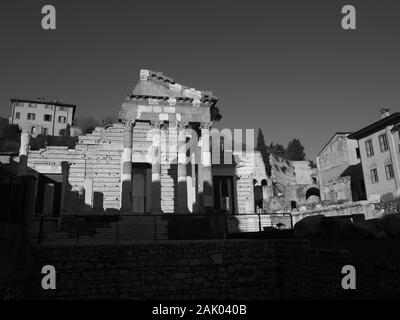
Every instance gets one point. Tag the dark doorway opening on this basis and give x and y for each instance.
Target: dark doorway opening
(141, 187)
(55, 179)
(224, 193)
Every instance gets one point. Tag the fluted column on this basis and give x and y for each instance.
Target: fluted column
(126, 175)
(156, 167)
(182, 196)
(208, 192)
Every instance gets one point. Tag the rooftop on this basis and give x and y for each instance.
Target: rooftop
(43, 101)
(392, 119)
(334, 135)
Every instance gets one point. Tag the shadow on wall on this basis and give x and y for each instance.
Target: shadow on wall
(17, 194)
(208, 223)
(356, 175)
(80, 218)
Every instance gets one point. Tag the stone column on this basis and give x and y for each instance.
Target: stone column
(208, 192)
(23, 153)
(88, 186)
(200, 180)
(182, 195)
(156, 167)
(126, 174)
(194, 197)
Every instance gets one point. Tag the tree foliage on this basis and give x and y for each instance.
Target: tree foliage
(277, 149)
(262, 148)
(295, 150)
(41, 141)
(105, 121)
(215, 114)
(266, 150)
(10, 136)
(86, 123)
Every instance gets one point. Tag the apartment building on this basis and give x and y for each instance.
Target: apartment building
(42, 117)
(379, 145)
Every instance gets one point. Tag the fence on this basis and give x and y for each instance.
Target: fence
(119, 228)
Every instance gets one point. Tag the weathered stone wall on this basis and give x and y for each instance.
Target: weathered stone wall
(94, 166)
(304, 173)
(335, 158)
(239, 269)
(282, 171)
(369, 210)
(94, 177)
(244, 184)
(339, 190)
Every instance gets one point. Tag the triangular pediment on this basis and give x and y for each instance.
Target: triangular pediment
(155, 84)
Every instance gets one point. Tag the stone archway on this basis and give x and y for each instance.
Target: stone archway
(313, 195)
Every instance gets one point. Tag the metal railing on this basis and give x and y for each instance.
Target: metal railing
(120, 228)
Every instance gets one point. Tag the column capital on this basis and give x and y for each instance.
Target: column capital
(181, 125)
(129, 123)
(206, 124)
(156, 124)
(171, 101)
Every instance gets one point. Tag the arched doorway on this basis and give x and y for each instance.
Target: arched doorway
(313, 195)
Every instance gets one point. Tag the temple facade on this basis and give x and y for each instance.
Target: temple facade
(142, 164)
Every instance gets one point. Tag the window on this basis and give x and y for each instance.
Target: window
(46, 106)
(374, 175)
(31, 116)
(32, 105)
(389, 171)
(19, 104)
(63, 108)
(358, 153)
(62, 119)
(47, 117)
(383, 143)
(369, 148)
(45, 131)
(17, 115)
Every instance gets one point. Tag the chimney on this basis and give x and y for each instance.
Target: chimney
(384, 112)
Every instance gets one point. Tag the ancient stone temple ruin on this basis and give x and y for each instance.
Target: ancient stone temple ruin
(139, 165)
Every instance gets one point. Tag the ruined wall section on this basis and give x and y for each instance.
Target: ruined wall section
(333, 160)
(291, 180)
(244, 183)
(94, 168)
(303, 172)
(282, 171)
(339, 190)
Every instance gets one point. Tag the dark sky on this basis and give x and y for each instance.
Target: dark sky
(284, 66)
